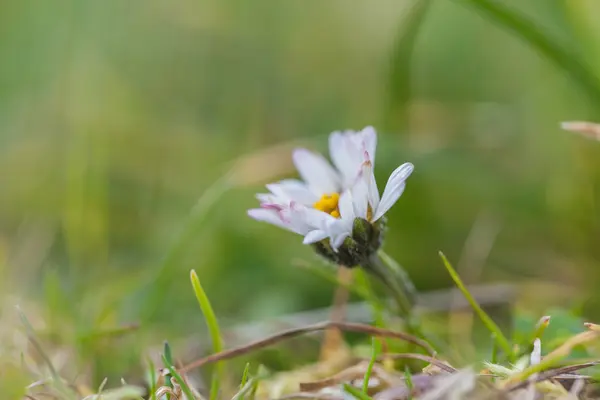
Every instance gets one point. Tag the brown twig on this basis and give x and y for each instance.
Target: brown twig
(279, 337)
(431, 360)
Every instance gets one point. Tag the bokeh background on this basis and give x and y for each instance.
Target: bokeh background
(134, 134)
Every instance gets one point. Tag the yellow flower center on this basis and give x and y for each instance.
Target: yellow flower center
(329, 203)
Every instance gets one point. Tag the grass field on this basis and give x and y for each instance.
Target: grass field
(134, 135)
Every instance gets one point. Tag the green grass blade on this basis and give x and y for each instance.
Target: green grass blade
(355, 392)
(374, 354)
(152, 378)
(167, 354)
(401, 66)
(409, 382)
(494, 358)
(213, 329)
(250, 385)
(245, 375)
(487, 321)
(561, 56)
(178, 378)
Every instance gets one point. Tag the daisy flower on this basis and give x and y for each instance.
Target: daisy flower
(307, 206)
(337, 208)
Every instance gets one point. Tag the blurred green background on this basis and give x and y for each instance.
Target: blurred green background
(134, 134)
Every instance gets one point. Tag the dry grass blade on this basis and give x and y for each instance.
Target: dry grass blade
(279, 337)
(555, 373)
(558, 354)
(588, 129)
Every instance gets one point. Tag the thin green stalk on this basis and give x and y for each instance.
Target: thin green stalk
(409, 382)
(213, 328)
(152, 378)
(374, 354)
(494, 358)
(168, 356)
(245, 375)
(487, 321)
(379, 269)
(363, 284)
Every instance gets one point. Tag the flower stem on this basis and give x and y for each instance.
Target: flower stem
(397, 282)
(402, 276)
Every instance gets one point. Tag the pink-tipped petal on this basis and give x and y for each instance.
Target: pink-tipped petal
(369, 137)
(270, 216)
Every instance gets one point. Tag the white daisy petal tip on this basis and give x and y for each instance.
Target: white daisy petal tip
(314, 236)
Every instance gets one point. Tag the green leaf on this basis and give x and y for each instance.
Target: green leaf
(213, 328)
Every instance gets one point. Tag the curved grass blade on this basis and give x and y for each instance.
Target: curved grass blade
(487, 321)
(561, 56)
(401, 68)
(213, 329)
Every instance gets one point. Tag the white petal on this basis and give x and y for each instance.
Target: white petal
(317, 219)
(347, 149)
(338, 230)
(320, 177)
(393, 190)
(337, 241)
(368, 176)
(360, 198)
(346, 207)
(270, 216)
(343, 154)
(337, 152)
(266, 198)
(298, 218)
(536, 355)
(369, 137)
(314, 236)
(293, 190)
